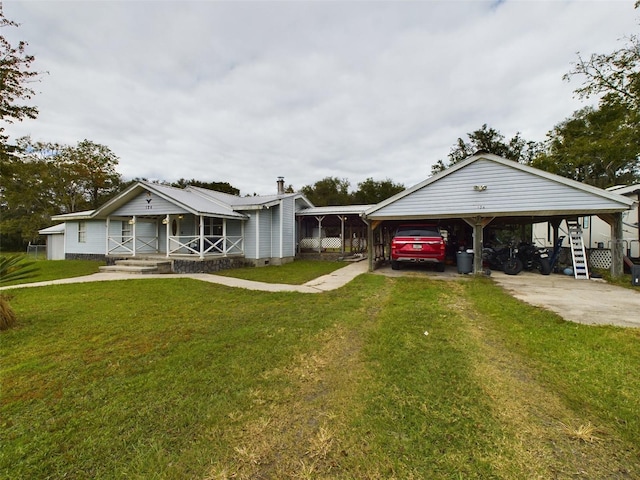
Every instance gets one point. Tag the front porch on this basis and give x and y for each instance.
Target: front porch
(174, 236)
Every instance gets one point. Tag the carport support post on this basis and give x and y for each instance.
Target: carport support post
(478, 224)
(617, 251)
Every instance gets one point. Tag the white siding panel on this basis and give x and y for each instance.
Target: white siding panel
(264, 248)
(509, 191)
(148, 204)
(288, 228)
(96, 238)
(250, 236)
(275, 231)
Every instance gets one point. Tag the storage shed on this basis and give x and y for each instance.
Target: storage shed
(486, 189)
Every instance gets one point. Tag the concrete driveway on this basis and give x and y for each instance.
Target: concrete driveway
(592, 302)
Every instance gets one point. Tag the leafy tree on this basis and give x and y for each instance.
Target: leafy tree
(43, 179)
(15, 75)
(371, 191)
(26, 198)
(492, 141)
(328, 191)
(597, 146)
(224, 187)
(601, 146)
(91, 168)
(615, 75)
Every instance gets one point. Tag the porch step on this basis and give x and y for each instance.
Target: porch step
(138, 267)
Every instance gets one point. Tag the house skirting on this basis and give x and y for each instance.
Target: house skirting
(207, 265)
(86, 256)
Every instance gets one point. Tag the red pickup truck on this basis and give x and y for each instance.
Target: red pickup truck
(418, 243)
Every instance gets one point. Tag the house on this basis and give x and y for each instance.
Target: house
(197, 229)
(485, 191)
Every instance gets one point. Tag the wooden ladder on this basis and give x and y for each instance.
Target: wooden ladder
(578, 254)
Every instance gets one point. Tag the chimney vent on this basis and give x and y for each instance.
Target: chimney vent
(280, 185)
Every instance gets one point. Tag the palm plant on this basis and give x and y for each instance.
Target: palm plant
(12, 267)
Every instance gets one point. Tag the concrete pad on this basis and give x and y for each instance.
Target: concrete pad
(592, 302)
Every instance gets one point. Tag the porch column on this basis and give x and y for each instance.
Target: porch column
(319, 233)
(201, 247)
(107, 239)
(168, 227)
(133, 234)
(342, 234)
(224, 237)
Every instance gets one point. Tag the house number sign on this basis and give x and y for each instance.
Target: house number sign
(148, 199)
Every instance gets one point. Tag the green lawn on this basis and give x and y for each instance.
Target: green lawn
(293, 273)
(54, 270)
(384, 378)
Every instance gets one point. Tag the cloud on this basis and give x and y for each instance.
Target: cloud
(247, 91)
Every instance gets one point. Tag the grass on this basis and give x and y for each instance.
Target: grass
(384, 378)
(293, 273)
(53, 270)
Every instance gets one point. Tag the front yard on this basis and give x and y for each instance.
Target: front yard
(384, 378)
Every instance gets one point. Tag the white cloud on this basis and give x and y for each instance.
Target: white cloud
(244, 92)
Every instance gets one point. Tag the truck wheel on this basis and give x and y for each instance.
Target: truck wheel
(395, 265)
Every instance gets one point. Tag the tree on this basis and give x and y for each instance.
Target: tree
(224, 187)
(91, 167)
(328, 191)
(615, 75)
(601, 146)
(15, 74)
(492, 141)
(371, 191)
(43, 179)
(27, 198)
(597, 146)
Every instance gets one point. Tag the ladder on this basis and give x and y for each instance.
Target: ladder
(578, 254)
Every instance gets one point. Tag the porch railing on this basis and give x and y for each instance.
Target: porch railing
(124, 245)
(212, 245)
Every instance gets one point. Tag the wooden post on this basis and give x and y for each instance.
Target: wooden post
(617, 250)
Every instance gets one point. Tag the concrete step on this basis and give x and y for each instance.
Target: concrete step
(139, 266)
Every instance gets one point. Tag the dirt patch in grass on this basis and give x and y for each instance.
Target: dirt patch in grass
(297, 434)
(548, 438)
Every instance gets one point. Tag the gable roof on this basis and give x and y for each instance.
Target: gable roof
(487, 185)
(194, 200)
(255, 202)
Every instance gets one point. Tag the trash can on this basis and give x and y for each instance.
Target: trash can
(635, 275)
(464, 260)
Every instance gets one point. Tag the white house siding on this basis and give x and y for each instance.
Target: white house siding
(288, 228)
(276, 222)
(55, 246)
(250, 232)
(148, 204)
(95, 238)
(508, 191)
(264, 241)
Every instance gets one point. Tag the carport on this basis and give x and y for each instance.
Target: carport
(487, 189)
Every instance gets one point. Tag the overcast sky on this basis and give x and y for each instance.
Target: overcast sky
(244, 92)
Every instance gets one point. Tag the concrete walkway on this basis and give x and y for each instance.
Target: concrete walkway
(324, 283)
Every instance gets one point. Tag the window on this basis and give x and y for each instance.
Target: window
(82, 232)
(212, 227)
(126, 231)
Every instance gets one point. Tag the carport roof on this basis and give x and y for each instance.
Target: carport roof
(486, 185)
